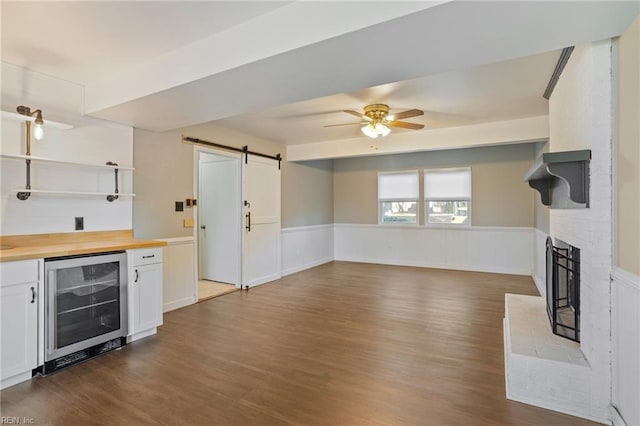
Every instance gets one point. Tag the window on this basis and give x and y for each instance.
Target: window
(447, 196)
(398, 197)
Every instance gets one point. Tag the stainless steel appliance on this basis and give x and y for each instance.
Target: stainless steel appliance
(86, 306)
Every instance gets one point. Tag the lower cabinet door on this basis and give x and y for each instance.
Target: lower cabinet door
(147, 297)
(19, 329)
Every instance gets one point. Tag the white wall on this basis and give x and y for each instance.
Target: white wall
(580, 113)
(90, 141)
(486, 249)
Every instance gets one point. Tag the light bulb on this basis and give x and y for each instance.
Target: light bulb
(382, 130)
(38, 131)
(370, 131)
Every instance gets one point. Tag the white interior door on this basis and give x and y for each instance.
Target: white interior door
(261, 248)
(219, 219)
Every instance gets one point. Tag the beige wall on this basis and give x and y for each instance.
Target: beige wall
(164, 174)
(307, 193)
(628, 151)
(500, 197)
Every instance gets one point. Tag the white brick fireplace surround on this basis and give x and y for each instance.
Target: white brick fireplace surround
(580, 117)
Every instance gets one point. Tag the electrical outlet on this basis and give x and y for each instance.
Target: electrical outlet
(79, 223)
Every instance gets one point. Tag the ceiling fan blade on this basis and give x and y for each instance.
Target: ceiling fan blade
(405, 125)
(357, 114)
(343, 124)
(405, 114)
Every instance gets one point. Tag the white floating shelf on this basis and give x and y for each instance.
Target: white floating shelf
(53, 160)
(47, 123)
(60, 192)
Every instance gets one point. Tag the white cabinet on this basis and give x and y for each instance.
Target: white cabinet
(19, 307)
(145, 292)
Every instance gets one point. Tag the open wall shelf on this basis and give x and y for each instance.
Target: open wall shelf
(24, 193)
(60, 192)
(555, 168)
(56, 161)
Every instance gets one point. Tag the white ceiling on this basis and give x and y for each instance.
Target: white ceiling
(283, 70)
(84, 41)
(495, 92)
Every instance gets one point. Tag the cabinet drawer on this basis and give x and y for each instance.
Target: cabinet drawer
(25, 271)
(148, 256)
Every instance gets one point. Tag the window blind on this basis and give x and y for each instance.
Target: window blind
(453, 184)
(398, 186)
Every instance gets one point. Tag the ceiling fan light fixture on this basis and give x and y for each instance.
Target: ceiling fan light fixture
(375, 129)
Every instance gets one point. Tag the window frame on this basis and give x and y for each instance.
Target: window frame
(426, 199)
(398, 200)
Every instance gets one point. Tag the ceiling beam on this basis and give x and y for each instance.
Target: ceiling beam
(524, 130)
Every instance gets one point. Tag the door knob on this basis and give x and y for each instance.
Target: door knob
(203, 227)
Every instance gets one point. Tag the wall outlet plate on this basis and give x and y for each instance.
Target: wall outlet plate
(79, 223)
(188, 223)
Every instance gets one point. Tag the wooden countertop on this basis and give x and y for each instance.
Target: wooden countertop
(25, 247)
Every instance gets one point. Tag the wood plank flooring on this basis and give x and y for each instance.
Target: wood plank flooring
(340, 344)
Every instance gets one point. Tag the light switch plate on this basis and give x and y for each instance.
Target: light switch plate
(188, 223)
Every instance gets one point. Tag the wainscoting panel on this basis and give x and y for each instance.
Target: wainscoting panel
(179, 273)
(305, 247)
(485, 249)
(625, 351)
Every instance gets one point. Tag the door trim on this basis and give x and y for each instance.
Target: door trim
(197, 150)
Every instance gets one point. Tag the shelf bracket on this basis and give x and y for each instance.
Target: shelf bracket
(114, 196)
(543, 186)
(570, 168)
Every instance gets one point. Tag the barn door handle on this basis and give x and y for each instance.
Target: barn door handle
(248, 225)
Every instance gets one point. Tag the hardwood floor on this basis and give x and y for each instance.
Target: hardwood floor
(340, 344)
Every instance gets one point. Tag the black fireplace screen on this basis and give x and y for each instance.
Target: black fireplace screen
(563, 289)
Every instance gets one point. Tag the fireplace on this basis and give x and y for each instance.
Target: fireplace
(563, 289)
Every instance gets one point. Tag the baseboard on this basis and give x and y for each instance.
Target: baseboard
(495, 270)
(14, 380)
(619, 274)
(142, 335)
(177, 304)
(616, 418)
(308, 265)
(262, 280)
(540, 284)
(547, 406)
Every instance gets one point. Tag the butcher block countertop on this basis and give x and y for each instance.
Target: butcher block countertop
(38, 246)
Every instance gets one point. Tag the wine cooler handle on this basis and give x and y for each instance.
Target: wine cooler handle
(33, 295)
(137, 276)
(51, 323)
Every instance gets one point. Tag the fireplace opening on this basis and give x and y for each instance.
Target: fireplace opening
(563, 289)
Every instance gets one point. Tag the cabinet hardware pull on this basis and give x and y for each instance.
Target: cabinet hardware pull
(137, 276)
(148, 257)
(248, 225)
(33, 295)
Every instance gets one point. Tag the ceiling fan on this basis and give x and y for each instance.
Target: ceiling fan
(376, 120)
